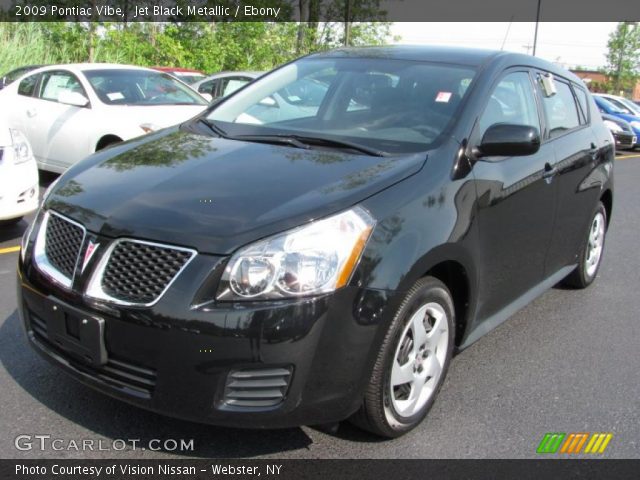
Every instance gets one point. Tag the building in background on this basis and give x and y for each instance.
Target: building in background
(598, 82)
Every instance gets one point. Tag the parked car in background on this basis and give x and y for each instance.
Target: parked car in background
(605, 106)
(13, 75)
(70, 111)
(19, 191)
(621, 130)
(329, 264)
(186, 75)
(224, 83)
(622, 103)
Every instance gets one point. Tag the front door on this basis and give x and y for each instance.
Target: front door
(516, 202)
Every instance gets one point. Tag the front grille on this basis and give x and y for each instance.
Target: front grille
(265, 387)
(130, 377)
(63, 240)
(139, 272)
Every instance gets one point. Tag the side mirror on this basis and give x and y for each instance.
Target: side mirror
(268, 102)
(207, 97)
(509, 140)
(75, 99)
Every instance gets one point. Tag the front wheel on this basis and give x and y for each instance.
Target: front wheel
(412, 362)
(590, 255)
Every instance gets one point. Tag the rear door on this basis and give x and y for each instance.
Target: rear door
(577, 154)
(516, 202)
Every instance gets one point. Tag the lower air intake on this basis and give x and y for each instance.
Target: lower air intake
(266, 387)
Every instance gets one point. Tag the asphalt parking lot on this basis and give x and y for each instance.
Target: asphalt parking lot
(568, 362)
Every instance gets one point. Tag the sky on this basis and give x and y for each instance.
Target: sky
(565, 43)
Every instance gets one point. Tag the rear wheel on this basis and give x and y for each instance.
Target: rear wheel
(412, 362)
(590, 255)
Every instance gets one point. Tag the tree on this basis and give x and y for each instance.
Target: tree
(623, 57)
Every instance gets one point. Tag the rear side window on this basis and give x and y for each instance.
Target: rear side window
(584, 104)
(28, 85)
(561, 110)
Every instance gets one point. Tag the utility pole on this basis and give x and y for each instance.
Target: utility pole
(347, 23)
(535, 35)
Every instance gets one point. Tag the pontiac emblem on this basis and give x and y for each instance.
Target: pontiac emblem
(88, 253)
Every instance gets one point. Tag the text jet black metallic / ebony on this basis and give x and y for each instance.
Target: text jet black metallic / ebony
(315, 246)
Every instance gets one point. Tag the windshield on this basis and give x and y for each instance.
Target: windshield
(626, 104)
(393, 106)
(605, 103)
(141, 87)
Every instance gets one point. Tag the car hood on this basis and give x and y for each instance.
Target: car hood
(214, 194)
(625, 116)
(160, 116)
(618, 121)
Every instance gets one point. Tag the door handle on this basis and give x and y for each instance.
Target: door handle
(32, 112)
(550, 171)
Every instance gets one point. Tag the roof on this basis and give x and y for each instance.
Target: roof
(177, 69)
(94, 66)
(472, 57)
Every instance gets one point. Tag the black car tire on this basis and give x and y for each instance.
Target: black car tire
(581, 277)
(11, 222)
(377, 414)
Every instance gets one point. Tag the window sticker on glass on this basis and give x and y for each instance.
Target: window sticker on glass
(443, 97)
(115, 96)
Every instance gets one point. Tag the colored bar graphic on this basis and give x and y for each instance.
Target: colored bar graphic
(598, 443)
(550, 442)
(573, 442)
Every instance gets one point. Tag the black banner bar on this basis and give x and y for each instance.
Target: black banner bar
(565, 469)
(322, 11)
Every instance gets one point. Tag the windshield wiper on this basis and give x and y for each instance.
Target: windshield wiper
(300, 141)
(213, 127)
(282, 139)
(330, 142)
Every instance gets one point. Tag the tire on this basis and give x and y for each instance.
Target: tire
(593, 244)
(11, 222)
(387, 411)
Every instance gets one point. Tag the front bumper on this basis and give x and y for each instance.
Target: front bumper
(625, 139)
(176, 360)
(18, 190)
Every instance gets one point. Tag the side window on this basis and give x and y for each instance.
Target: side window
(583, 102)
(513, 102)
(28, 85)
(231, 84)
(54, 83)
(561, 110)
(206, 87)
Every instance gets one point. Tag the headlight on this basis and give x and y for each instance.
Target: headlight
(308, 260)
(635, 124)
(614, 127)
(21, 147)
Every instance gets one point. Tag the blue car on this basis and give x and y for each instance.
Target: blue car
(605, 106)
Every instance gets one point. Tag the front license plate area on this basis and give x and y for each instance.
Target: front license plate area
(77, 333)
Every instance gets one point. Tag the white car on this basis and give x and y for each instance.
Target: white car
(70, 111)
(18, 176)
